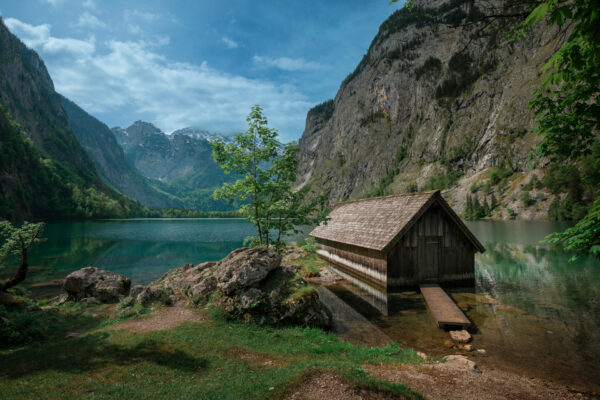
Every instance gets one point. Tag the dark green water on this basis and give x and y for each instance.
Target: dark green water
(140, 249)
(534, 311)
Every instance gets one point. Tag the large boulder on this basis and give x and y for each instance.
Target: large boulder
(249, 284)
(244, 268)
(103, 285)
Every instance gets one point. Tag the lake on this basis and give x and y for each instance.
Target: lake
(534, 311)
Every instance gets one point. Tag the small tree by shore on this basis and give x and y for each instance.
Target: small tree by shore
(264, 190)
(15, 241)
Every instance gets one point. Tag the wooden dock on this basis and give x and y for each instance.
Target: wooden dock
(442, 307)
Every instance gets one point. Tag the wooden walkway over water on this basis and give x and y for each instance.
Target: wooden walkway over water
(442, 307)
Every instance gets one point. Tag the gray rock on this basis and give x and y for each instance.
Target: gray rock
(205, 287)
(460, 363)
(87, 282)
(153, 294)
(244, 268)
(461, 336)
(136, 290)
(250, 297)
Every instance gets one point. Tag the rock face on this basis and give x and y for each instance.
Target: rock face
(91, 282)
(428, 99)
(181, 163)
(100, 144)
(249, 284)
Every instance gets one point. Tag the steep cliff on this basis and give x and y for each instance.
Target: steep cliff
(44, 171)
(434, 103)
(28, 94)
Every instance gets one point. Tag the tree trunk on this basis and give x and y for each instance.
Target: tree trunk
(19, 276)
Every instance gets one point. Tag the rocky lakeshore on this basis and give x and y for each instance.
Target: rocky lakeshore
(249, 284)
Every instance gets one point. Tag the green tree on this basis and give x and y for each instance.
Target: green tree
(17, 241)
(567, 106)
(264, 190)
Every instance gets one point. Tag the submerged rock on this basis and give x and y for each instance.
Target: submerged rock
(461, 336)
(91, 282)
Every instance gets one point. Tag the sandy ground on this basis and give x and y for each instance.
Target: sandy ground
(459, 381)
(166, 318)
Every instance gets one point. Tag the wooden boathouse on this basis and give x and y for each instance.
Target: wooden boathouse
(398, 241)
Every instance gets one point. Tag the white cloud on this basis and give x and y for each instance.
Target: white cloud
(231, 44)
(38, 37)
(285, 63)
(132, 79)
(89, 21)
(90, 4)
(137, 15)
(54, 3)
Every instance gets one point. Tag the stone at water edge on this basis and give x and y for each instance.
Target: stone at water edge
(244, 268)
(103, 285)
(461, 336)
(468, 347)
(459, 363)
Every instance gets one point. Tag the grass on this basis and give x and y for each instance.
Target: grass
(193, 360)
(310, 265)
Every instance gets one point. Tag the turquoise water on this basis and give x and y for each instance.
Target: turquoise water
(533, 311)
(142, 250)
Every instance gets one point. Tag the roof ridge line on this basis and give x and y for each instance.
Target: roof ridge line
(388, 196)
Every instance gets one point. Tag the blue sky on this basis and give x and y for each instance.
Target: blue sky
(198, 63)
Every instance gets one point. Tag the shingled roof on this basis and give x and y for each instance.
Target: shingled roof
(379, 222)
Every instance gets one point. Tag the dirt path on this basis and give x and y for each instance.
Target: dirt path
(329, 386)
(461, 379)
(166, 318)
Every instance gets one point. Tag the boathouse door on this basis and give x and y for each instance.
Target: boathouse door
(428, 254)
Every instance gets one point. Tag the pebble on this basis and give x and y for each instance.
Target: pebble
(482, 351)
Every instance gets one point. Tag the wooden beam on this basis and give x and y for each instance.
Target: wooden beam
(442, 307)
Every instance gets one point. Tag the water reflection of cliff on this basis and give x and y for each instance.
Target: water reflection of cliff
(542, 282)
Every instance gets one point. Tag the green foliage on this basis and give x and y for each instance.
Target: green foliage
(567, 110)
(323, 110)
(17, 241)
(474, 209)
(45, 188)
(527, 199)
(463, 72)
(431, 66)
(444, 181)
(309, 245)
(267, 171)
(584, 238)
(567, 105)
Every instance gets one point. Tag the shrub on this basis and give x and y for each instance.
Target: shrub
(526, 199)
(431, 66)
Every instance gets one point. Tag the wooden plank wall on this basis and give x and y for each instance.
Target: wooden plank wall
(367, 258)
(456, 254)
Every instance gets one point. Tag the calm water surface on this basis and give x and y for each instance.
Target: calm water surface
(142, 250)
(534, 311)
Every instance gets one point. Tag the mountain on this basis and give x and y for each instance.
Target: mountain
(113, 169)
(44, 171)
(202, 134)
(434, 103)
(181, 163)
